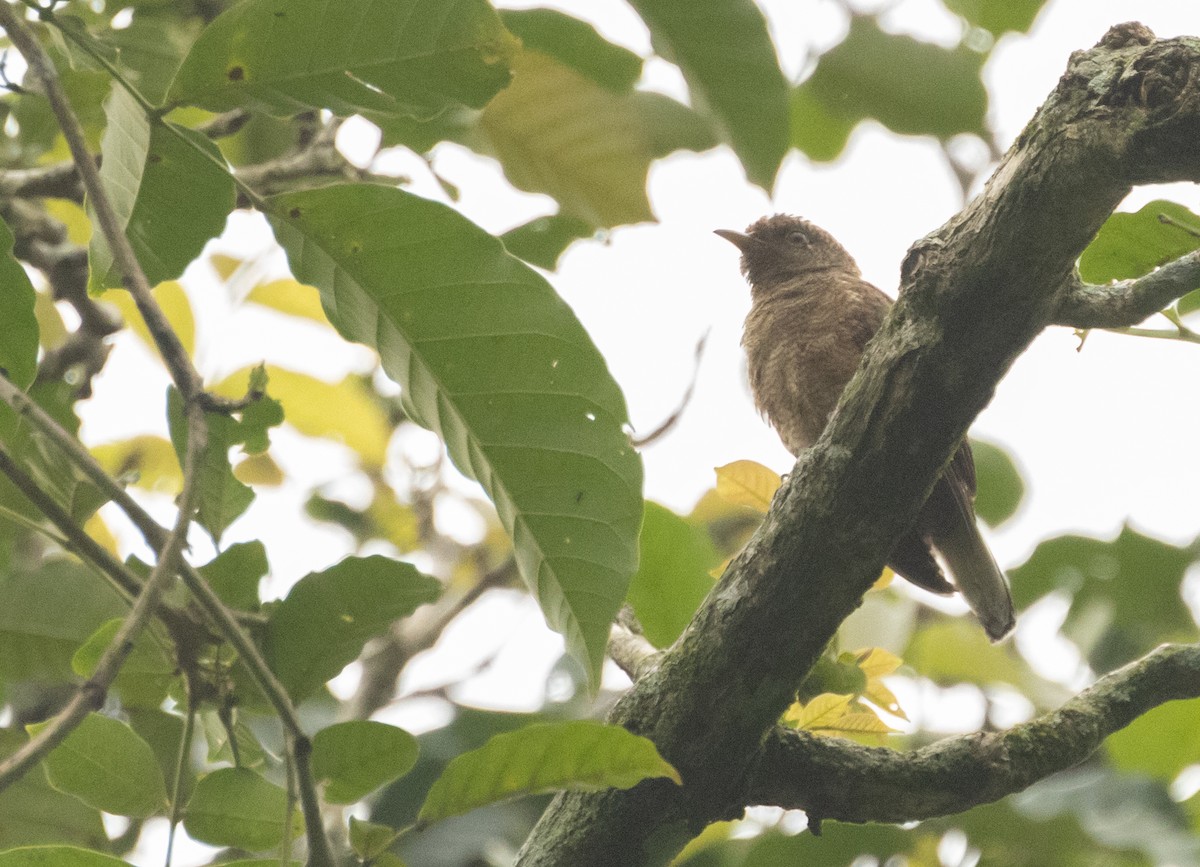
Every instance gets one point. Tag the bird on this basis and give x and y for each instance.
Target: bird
(811, 317)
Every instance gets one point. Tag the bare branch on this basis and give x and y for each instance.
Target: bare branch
(1127, 302)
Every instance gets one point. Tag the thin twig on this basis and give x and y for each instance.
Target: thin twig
(185, 376)
(122, 579)
(90, 694)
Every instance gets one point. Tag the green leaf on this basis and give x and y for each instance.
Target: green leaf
(322, 624)
(1160, 743)
(169, 198)
(956, 651)
(557, 132)
(32, 813)
(1130, 245)
(55, 474)
(151, 48)
(911, 87)
(235, 573)
(577, 44)
(57, 856)
(347, 56)
(728, 59)
(46, 614)
(581, 755)
(237, 807)
(1124, 593)
(369, 840)
(1189, 303)
(107, 766)
(221, 497)
(149, 670)
(542, 241)
(673, 574)
(998, 16)
(18, 325)
(344, 411)
(1000, 485)
(816, 130)
(490, 358)
(355, 758)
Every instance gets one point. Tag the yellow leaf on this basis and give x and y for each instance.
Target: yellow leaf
(820, 713)
(747, 483)
(52, 331)
(98, 530)
(147, 461)
(225, 266)
(260, 470)
(858, 722)
(876, 662)
(174, 303)
(884, 580)
(880, 695)
(717, 571)
(75, 218)
(290, 297)
(342, 411)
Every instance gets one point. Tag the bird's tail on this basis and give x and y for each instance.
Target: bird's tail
(976, 574)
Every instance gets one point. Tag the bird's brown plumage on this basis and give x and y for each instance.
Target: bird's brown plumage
(812, 317)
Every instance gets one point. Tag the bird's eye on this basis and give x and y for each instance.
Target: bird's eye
(798, 238)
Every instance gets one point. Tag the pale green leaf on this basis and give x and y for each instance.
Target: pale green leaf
(237, 807)
(581, 755)
(355, 758)
(18, 324)
(106, 765)
(168, 196)
(347, 56)
(729, 61)
(322, 624)
(57, 856)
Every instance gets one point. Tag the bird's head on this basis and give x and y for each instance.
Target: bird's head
(780, 248)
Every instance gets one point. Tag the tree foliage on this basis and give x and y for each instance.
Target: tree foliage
(114, 673)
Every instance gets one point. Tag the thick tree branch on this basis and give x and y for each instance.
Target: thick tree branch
(831, 778)
(1127, 302)
(974, 295)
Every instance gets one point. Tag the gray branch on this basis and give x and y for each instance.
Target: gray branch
(1127, 302)
(975, 293)
(831, 778)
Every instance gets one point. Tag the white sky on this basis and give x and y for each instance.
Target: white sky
(1102, 436)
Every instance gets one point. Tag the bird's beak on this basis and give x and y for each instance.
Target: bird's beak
(739, 239)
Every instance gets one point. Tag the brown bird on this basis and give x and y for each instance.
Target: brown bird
(811, 318)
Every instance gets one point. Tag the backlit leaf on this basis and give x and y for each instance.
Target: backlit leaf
(729, 61)
(175, 305)
(998, 16)
(237, 807)
(672, 578)
(748, 483)
(347, 56)
(355, 758)
(1130, 245)
(343, 411)
(911, 87)
(1000, 487)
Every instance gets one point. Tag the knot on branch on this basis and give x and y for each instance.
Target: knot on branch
(1125, 35)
